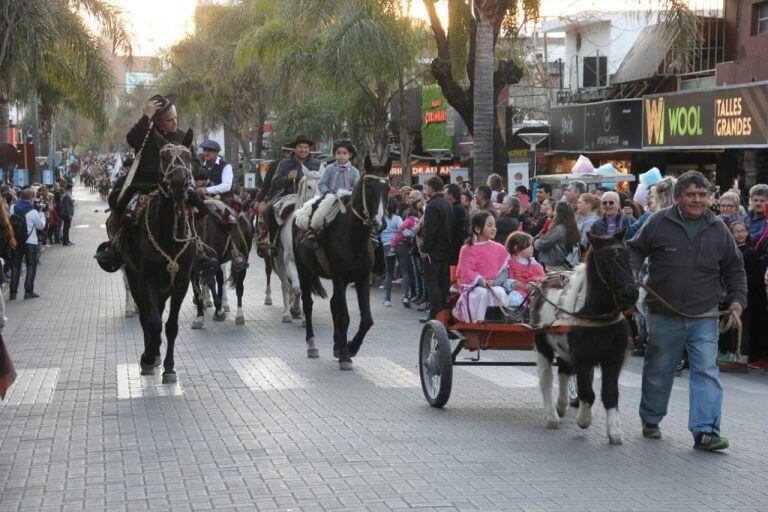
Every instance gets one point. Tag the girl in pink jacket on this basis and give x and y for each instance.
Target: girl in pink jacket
(524, 271)
(481, 261)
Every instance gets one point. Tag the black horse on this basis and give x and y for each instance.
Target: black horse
(345, 256)
(218, 239)
(593, 301)
(159, 256)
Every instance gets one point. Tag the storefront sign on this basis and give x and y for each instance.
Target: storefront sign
(47, 176)
(20, 177)
(249, 180)
(566, 128)
(611, 126)
(726, 117)
(418, 170)
(434, 119)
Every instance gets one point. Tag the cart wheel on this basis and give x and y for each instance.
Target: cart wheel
(573, 391)
(436, 364)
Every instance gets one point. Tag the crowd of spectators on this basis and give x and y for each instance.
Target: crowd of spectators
(427, 226)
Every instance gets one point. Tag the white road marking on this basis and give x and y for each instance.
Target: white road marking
(383, 373)
(267, 374)
(33, 386)
(82, 226)
(131, 384)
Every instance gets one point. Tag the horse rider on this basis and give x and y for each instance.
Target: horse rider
(218, 177)
(339, 176)
(288, 174)
(159, 117)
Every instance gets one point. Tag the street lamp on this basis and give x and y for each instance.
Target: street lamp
(438, 155)
(533, 139)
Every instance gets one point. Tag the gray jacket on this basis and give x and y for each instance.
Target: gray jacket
(326, 183)
(551, 247)
(692, 276)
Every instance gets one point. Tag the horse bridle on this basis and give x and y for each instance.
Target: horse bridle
(365, 217)
(176, 152)
(613, 256)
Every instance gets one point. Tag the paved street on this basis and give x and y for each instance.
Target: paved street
(254, 424)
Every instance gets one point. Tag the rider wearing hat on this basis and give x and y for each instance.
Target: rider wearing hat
(340, 175)
(286, 179)
(219, 171)
(159, 117)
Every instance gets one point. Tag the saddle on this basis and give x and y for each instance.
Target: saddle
(219, 210)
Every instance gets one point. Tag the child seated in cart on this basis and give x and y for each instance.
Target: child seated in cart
(524, 271)
(481, 261)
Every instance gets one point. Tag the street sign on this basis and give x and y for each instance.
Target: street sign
(47, 176)
(517, 175)
(250, 180)
(20, 177)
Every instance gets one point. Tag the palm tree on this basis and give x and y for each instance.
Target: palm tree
(48, 50)
(485, 11)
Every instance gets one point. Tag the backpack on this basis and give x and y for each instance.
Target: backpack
(19, 225)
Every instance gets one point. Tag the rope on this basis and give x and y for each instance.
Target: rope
(173, 263)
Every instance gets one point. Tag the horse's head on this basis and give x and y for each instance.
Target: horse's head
(609, 261)
(176, 163)
(374, 186)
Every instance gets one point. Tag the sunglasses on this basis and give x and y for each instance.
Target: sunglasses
(726, 205)
(609, 203)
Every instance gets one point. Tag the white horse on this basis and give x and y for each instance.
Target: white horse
(285, 263)
(131, 309)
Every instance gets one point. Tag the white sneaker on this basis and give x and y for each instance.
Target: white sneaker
(387, 304)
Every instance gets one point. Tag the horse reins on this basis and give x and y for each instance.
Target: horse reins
(365, 218)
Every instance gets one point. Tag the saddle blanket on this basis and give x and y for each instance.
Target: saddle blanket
(319, 212)
(283, 208)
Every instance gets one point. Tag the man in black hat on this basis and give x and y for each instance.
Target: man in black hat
(159, 117)
(286, 180)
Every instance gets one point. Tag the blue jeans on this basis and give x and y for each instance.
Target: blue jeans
(30, 255)
(403, 255)
(667, 335)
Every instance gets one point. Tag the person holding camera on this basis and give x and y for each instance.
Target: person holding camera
(26, 221)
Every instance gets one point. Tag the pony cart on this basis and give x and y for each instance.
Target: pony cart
(437, 356)
(444, 339)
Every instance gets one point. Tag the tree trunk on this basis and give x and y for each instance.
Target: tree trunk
(231, 143)
(5, 113)
(260, 120)
(483, 100)
(404, 132)
(45, 123)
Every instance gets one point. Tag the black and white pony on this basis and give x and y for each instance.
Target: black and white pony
(592, 300)
(346, 255)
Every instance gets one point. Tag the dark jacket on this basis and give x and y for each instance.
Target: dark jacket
(756, 225)
(284, 167)
(148, 171)
(506, 225)
(600, 227)
(436, 232)
(459, 233)
(692, 276)
(67, 206)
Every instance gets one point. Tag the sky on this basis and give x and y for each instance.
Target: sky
(159, 23)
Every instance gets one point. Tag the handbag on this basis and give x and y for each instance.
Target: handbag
(7, 372)
(571, 259)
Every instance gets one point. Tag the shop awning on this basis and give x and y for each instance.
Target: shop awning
(645, 58)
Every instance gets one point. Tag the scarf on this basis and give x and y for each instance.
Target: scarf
(341, 171)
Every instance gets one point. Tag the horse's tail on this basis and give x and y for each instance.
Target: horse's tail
(317, 288)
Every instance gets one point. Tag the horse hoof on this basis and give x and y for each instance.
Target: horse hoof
(170, 378)
(197, 324)
(345, 365)
(561, 409)
(287, 319)
(267, 302)
(615, 440)
(240, 320)
(219, 317)
(313, 353)
(553, 423)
